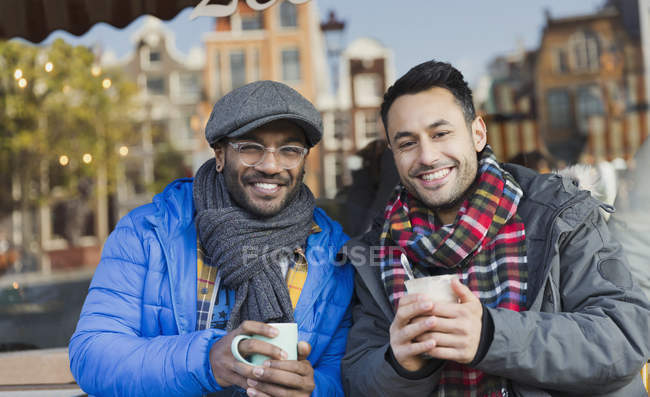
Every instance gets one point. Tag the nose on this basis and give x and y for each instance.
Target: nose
(269, 164)
(428, 153)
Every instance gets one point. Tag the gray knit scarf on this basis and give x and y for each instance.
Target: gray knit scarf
(246, 249)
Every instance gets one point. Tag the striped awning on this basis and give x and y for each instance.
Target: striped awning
(34, 20)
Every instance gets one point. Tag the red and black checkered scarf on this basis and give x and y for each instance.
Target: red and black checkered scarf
(485, 247)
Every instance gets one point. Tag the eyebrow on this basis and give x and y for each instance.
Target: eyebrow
(432, 126)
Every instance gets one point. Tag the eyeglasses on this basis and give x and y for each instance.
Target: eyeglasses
(252, 154)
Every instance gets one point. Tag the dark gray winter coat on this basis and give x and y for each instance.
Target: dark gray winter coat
(586, 330)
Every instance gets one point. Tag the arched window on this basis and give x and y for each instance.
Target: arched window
(288, 15)
(584, 50)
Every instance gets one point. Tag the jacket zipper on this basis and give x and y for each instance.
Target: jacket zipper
(549, 241)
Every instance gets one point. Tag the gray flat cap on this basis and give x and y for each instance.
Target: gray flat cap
(253, 105)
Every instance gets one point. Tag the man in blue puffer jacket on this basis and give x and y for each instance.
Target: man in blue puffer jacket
(239, 246)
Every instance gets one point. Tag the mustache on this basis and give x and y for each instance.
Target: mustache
(427, 168)
(256, 176)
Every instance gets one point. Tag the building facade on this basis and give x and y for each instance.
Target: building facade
(169, 92)
(506, 99)
(590, 85)
(352, 120)
(281, 43)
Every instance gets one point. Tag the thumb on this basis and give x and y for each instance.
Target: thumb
(304, 349)
(464, 293)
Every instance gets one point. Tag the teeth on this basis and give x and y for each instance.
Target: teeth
(436, 175)
(266, 186)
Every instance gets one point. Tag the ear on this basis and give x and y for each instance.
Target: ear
(479, 133)
(220, 155)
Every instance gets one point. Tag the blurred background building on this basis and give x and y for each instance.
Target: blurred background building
(169, 90)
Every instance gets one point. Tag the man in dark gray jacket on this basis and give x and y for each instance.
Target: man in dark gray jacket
(546, 305)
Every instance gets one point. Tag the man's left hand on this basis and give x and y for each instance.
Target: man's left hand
(457, 327)
(279, 378)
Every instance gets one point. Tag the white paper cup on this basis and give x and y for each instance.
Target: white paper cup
(436, 288)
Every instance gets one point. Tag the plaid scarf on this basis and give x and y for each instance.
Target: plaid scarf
(485, 247)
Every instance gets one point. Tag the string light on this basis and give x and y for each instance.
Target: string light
(64, 160)
(95, 70)
(49, 67)
(22, 83)
(18, 73)
(106, 83)
(124, 151)
(87, 158)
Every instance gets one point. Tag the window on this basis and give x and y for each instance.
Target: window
(288, 15)
(252, 22)
(560, 61)
(150, 58)
(189, 85)
(368, 89)
(155, 85)
(291, 65)
(341, 126)
(371, 125)
(559, 112)
(154, 57)
(237, 69)
(585, 51)
(589, 103)
(366, 127)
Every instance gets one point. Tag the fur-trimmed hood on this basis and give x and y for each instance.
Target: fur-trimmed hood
(600, 181)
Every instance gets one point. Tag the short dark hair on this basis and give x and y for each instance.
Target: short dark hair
(425, 76)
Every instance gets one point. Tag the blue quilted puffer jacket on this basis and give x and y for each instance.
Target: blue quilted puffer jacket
(136, 335)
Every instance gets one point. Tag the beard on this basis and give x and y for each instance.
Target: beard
(235, 185)
(463, 189)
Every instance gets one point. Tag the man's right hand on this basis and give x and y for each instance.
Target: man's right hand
(403, 331)
(225, 367)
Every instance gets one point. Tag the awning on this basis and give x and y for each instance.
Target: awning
(34, 20)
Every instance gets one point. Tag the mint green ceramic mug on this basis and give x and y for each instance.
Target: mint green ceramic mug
(286, 340)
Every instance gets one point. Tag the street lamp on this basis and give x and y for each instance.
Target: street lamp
(333, 29)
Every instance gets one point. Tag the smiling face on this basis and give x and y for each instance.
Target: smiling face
(264, 189)
(435, 151)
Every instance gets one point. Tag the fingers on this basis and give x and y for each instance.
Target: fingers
(262, 389)
(414, 349)
(234, 378)
(255, 393)
(464, 293)
(269, 379)
(411, 331)
(411, 308)
(410, 298)
(252, 346)
(257, 328)
(299, 367)
(458, 310)
(304, 349)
